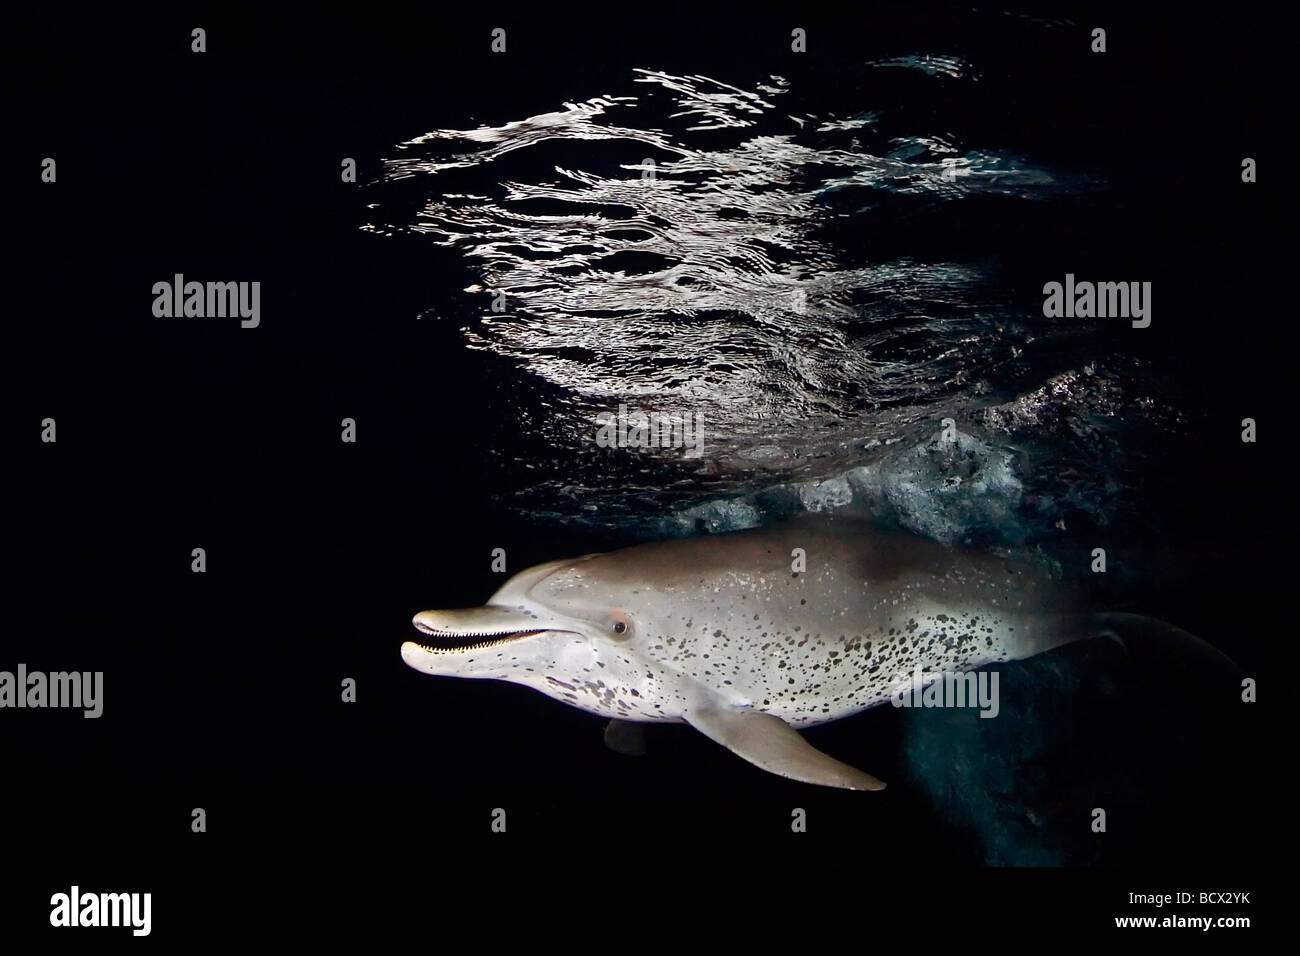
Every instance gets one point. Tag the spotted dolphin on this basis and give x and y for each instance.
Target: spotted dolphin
(750, 636)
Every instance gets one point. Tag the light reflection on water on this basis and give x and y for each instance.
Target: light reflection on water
(689, 245)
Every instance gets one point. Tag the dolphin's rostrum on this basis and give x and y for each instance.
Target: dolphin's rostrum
(748, 636)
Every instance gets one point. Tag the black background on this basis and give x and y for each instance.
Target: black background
(222, 690)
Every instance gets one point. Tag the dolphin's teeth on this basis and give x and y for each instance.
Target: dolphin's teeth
(492, 638)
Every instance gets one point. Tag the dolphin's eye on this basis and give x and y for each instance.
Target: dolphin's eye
(620, 627)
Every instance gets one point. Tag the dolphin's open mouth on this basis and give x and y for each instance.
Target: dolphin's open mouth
(465, 640)
(470, 629)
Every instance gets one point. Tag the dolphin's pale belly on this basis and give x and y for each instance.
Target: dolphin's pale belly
(805, 674)
(830, 669)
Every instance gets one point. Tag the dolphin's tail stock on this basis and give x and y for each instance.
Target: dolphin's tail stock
(1142, 637)
(1172, 645)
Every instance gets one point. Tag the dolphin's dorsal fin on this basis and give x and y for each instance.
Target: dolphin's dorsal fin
(625, 737)
(772, 744)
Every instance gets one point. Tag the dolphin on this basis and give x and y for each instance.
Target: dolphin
(751, 636)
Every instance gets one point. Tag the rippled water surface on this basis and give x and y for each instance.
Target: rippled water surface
(812, 278)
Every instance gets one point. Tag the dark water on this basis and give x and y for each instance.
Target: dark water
(838, 250)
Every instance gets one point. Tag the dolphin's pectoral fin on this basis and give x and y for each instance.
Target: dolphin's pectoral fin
(625, 737)
(772, 744)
